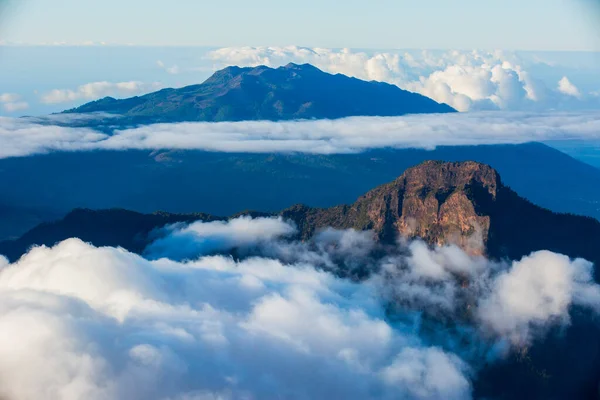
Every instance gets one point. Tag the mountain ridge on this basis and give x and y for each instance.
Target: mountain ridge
(262, 93)
(188, 181)
(442, 203)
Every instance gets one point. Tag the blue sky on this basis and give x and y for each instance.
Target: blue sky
(439, 24)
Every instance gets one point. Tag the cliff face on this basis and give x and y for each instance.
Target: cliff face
(464, 204)
(434, 201)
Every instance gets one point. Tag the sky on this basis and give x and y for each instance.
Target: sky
(434, 24)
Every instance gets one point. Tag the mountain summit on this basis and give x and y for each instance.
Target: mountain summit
(262, 93)
(460, 203)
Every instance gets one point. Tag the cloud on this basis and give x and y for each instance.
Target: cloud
(79, 321)
(97, 90)
(349, 135)
(12, 102)
(466, 80)
(424, 372)
(103, 323)
(566, 87)
(536, 290)
(18, 137)
(181, 241)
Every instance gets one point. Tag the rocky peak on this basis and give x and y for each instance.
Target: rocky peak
(441, 202)
(443, 177)
(436, 201)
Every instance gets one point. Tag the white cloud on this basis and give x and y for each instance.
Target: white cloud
(466, 80)
(188, 241)
(78, 321)
(535, 291)
(12, 102)
(96, 90)
(19, 137)
(428, 374)
(566, 87)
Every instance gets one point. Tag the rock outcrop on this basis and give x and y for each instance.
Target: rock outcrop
(461, 203)
(434, 201)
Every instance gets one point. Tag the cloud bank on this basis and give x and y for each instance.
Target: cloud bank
(97, 90)
(21, 137)
(466, 80)
(103, 323)
(78, 321)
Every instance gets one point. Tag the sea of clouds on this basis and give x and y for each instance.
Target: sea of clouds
(189, 321)
(27, 136)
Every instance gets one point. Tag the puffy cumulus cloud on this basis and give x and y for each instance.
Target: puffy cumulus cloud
(509, 299)
(348, 135)
(566, 87)
(423, 371)
(512, 303)
(78, 321)
(96, 90)
(179, 241)
(537, 289)
(12, 102)
(466, 80)
(83, 322)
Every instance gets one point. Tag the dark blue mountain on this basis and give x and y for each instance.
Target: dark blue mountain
(45, 187)
(263, 93)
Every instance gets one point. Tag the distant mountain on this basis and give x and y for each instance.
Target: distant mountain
(47, 186)
(263, 93)
(442, 203)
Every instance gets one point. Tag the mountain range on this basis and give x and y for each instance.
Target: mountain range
(443, 203)
(46, 187)
(262, 93)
